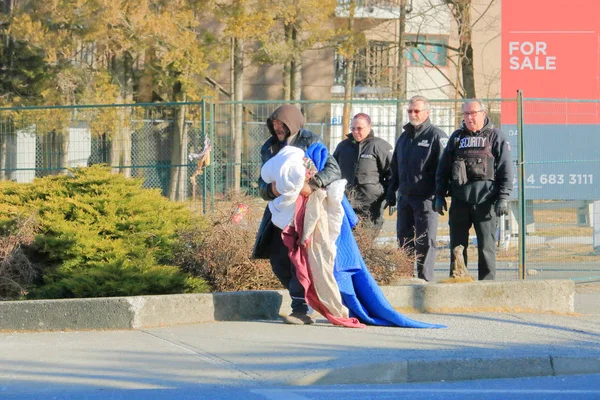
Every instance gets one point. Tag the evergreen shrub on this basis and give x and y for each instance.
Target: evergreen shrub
(99, 234)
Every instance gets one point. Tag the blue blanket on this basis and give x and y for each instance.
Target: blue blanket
(360, 293)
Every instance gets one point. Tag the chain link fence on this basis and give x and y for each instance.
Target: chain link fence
(161, 143)
(561, 178)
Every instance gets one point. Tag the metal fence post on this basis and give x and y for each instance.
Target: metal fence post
(211, 133)
(204, 175)
(521, 183)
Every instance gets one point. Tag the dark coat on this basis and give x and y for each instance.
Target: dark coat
(366, 167)
(416, 158)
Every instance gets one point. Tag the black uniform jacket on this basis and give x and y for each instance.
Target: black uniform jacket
(366, 167)
(416, 158)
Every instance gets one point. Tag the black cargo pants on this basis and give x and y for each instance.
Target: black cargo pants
(483, 218)
(416, 230)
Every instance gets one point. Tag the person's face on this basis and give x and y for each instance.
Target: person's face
(474, 116)
(360, 129)
(417, 113)
(280, 131)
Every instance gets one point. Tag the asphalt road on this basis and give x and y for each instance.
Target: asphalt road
(576, 387)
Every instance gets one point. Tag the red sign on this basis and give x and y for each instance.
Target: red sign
(552, 50)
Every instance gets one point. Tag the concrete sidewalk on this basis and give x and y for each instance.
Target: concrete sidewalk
(264, 353)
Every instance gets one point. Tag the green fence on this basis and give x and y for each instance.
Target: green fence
(553, 232)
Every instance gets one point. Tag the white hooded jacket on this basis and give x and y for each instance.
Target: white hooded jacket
(287, 170)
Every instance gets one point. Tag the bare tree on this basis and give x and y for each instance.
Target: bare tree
(401, 80)
(461, 11)
(349, 78)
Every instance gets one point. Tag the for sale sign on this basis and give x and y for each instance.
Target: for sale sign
(551, 51)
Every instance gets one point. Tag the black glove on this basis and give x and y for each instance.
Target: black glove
(440, 205)
(392, 209)
(390, 198)
(390, 201)
(501, 207)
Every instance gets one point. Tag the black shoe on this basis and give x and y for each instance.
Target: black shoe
(298, 319)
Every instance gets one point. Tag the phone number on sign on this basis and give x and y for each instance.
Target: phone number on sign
(561, 179)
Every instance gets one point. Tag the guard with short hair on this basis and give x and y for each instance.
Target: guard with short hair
(364, 161)
(475, 169)
(414, 164)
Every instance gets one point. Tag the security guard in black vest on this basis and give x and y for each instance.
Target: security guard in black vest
(475, 169)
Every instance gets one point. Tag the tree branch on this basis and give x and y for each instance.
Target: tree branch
(483, 13)
(414, 43)
(440, 71)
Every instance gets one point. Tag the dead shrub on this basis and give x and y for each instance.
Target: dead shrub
(387, 262)
(16, 271)
(221, 252)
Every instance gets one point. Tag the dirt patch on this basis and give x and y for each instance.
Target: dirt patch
(588, 287)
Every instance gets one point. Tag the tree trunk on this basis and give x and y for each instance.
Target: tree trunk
(146, 84)
(348, 95)
(401, 78)
(3, 149)
(177, 186)
(287, 67)
(121, 142)
(296, 69)
(468, 72)
(461, 10)
(61, 149)
(349, 77)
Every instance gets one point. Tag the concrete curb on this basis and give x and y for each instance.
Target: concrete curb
(551, 296)
(411, 371)
(139, 311)
(556, 296)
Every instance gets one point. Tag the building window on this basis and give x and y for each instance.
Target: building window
(376, 65)
(339, 69)
(427, 50)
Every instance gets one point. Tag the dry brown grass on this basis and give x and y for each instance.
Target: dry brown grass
(387, 263)
(546, 252)
(548, 223)
(220, 252)
(16, 271)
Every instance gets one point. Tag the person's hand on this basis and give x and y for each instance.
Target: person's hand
(306, 190)
(274, 189)
(391, 199)
(440, 205)
(392, 209)
(501, 207)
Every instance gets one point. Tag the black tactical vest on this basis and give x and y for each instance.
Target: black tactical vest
(476, 153)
